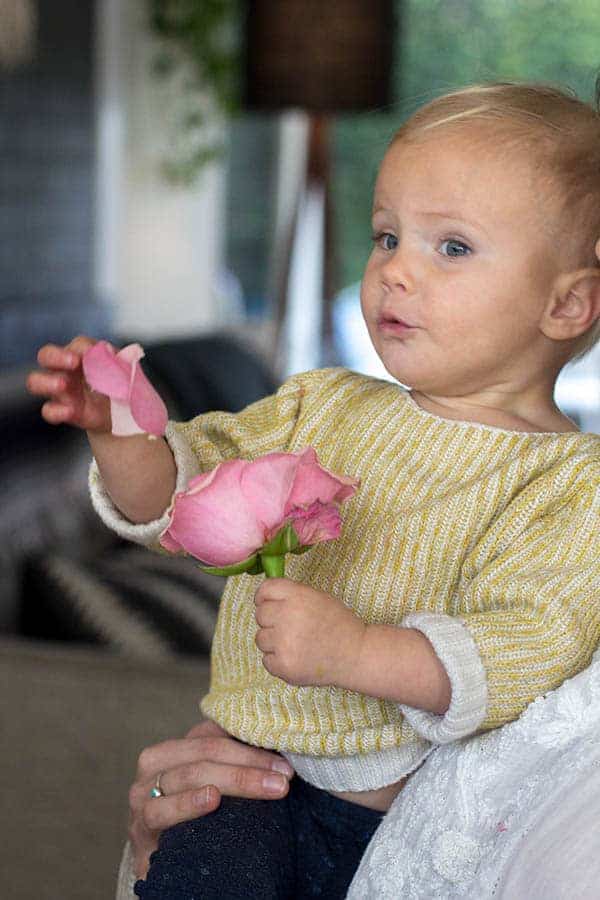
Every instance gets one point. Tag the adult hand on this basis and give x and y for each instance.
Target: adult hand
(195, 772)
(60, 379)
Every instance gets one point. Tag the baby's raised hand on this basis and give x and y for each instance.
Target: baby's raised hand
(306, 636)
(70, 400)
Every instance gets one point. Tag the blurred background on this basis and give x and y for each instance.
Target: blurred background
(195, 175)
(149, 187)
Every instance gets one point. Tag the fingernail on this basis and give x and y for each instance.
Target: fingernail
(280, 765)
(202, 797)
(274, 784)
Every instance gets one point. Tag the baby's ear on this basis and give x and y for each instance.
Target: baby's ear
(574, 305)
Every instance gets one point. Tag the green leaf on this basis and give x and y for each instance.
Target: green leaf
(247, 565)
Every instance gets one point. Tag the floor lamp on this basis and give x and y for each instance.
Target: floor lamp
(321, 58)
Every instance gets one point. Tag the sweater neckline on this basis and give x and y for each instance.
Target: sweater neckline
(480, 426)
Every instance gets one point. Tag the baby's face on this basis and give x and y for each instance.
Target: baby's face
(462, 267)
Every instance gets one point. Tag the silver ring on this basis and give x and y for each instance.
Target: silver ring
(157, 791)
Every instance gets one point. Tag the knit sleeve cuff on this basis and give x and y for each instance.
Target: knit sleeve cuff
(147, 533)
(459, 655)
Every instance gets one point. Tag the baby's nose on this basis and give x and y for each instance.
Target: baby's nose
(400, 269)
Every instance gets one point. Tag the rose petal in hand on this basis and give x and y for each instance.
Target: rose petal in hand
(135, 406)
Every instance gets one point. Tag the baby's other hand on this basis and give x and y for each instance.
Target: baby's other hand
(60, 379)
(307, 637)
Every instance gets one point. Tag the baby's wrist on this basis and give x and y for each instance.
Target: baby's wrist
(350, 656)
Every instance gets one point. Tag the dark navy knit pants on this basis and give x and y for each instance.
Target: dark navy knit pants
(308, 844)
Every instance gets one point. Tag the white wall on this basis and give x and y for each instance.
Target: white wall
(158, 247)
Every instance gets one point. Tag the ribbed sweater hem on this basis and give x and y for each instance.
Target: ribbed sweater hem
(361, 771)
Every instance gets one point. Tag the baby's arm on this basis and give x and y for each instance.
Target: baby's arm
(309, 637)
(400, 664)
(138, 473)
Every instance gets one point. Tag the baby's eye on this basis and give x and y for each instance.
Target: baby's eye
(385, 240)
(454, 248)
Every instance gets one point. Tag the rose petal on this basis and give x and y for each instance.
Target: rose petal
(105, 372)
(169, 543)
(320, 522)
(131, 354)
(314, 482)
(136, 407)
(147, 407)
(266, 483)
(122, 421)
(212, 520)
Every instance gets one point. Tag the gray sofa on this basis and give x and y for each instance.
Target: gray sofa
(73, 721)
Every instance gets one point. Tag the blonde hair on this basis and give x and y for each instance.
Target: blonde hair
(560, 131)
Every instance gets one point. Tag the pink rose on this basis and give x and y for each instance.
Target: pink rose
(319, 522)
(135, 407)
(244, 512)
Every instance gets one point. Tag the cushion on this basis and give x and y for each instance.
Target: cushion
(143, 604)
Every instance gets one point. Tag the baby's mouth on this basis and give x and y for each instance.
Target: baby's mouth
(388, 321)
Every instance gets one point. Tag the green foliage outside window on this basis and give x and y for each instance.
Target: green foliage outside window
(200, 46)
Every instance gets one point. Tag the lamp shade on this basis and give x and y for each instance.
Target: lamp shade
(320, 56)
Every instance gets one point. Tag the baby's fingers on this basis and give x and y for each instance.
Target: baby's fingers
(45, 384)
(66, 358)
(56, 413)
(60, 385)
(53, 357)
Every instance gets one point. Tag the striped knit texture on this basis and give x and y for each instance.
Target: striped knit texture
(499, 529)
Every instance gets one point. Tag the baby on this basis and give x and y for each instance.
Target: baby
(467, 578)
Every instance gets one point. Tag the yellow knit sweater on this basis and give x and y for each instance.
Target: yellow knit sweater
(486, 540)
(499, 530)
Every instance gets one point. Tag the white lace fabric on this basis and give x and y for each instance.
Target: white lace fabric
(126, 879)
(511, 814)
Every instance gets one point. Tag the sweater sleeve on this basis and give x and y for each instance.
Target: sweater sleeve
(460, 657)
(202, 443)
(265, 426)
(529, 610)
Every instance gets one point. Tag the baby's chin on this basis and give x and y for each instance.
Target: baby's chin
(396, 375)
(398, 368)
